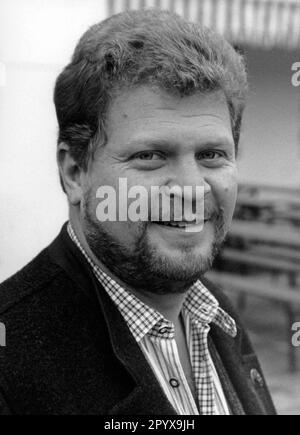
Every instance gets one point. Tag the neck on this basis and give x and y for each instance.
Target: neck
(168, 304)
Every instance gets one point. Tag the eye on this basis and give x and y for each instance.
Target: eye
(148, 155)
(211, 155)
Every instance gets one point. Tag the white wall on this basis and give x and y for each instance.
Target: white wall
(45, 30)
(270, 146)
(37, 38)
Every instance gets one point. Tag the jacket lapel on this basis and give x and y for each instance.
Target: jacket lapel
(147, 397)
(231, 357)
(240, 362)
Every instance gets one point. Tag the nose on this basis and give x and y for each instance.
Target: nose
(189, 176)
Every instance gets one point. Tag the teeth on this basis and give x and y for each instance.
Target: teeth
(190, 227)
(182, 224)
(178, 224)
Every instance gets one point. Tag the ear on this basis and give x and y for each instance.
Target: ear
(70, 174)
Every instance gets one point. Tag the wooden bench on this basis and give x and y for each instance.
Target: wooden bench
(288, 254)
(261, 232)
(264, 239)
(251, 285)
(261, 261)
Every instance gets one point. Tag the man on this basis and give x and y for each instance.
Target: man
(115, 316)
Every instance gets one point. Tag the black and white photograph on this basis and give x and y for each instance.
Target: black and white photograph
(150, 210)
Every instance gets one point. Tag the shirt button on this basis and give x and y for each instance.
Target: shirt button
(204, 310)
(163, 330)
(256, 377)
(174, 383)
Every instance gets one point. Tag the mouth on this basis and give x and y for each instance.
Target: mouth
(181, 225)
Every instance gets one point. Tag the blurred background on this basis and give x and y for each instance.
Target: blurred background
(260, 263)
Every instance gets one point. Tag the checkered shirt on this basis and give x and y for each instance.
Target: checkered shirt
(156, 337)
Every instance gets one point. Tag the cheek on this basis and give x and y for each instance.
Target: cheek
(224, 189)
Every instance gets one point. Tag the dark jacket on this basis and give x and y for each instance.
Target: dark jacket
(69, 351)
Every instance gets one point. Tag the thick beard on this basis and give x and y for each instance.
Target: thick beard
(145, 269)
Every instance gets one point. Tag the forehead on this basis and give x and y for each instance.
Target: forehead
(153, 113)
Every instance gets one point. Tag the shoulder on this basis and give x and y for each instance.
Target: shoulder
(35, 303)
(40, 298)
(43, 307)
(29, 282)
(51, 324)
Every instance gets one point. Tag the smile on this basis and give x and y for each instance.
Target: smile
(182, 226)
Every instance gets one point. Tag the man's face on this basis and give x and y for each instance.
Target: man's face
(159, 139)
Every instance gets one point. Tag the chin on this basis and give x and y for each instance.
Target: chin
(179, 265)
(181, 258)
(182, 252)
(181, 272)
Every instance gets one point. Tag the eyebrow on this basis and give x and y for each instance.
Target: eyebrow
(171, 145)
(151, 143)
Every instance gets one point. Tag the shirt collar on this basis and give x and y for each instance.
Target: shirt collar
(200, 304)
(204, 308)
